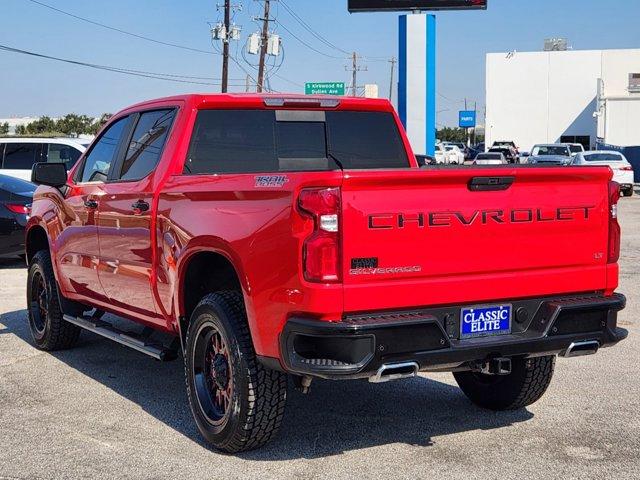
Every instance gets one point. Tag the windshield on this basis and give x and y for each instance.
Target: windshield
(489, 156)
(558, 150)
(603, 157)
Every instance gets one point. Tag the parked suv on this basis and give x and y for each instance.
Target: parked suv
(260, 236)
(18, 155)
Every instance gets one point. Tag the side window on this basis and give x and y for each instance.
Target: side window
(146, 144)
(98, 161)
(21, 156)
(59, 153)
(232, 141)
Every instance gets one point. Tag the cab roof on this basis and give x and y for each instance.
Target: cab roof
(270, 101)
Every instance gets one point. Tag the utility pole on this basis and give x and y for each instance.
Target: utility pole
(225, 32)
(466, 129)
(225, 47)
(393, 62)
(263, 49)
(475, 109)
(354, 84)
(355, 68)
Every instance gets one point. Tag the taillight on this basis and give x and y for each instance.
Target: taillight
(321, 251)
(627, 169)
(18, 208)
(614, 226)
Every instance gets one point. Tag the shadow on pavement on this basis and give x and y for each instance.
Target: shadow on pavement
(333, 418)
(12, 263)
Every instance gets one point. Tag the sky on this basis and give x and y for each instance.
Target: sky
(32, 86)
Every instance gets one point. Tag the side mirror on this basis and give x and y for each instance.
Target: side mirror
(51, 174)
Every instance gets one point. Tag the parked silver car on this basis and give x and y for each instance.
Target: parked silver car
(551, 154)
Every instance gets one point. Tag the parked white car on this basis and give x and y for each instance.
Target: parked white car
(17, 155)
(441, 155)
(490, 158)
(455, 154)
(622, 169)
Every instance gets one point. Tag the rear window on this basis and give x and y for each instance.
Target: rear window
(489, 156)
(551, 150)
(603, 157)
(255, 141)
(576, 148)
(16, 185)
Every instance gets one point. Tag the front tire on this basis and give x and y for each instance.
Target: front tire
(525, 385)
(49, 330)
(237, 403)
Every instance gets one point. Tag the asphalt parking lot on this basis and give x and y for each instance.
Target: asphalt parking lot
(103, 411)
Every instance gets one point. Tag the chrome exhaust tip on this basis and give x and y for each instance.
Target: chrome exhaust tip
(580, 349)
(395, 371)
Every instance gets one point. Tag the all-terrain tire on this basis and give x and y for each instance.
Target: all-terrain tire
(257, 395)
(49, 330)
(525, 385)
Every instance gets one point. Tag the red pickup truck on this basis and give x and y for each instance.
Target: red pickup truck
(261, 236)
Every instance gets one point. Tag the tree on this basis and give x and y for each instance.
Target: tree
(4, 128)
(447, 134)
(99, 123)
(21, 130)
(43, 124)
(74, 125)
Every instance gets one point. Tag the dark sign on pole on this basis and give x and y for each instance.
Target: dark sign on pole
(398, 5)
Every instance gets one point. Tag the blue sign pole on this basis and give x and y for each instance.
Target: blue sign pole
(417, 80)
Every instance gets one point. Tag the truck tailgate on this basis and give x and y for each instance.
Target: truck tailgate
(419, 238)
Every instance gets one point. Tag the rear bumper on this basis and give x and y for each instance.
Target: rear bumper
(358, 346)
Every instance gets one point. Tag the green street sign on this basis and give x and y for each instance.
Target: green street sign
(325, 88)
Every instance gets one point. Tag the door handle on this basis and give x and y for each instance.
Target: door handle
(140, 206)
(490, 184)
(91, 204)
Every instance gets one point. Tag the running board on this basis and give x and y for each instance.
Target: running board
(128, 339)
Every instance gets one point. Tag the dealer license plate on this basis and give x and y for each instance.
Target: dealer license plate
(485, 320)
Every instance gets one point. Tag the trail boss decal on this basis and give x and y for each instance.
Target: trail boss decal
(387, 221)
(271, 181)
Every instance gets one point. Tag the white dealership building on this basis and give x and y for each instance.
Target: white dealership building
(584, 96)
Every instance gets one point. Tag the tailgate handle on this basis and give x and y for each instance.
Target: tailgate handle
(491, 184)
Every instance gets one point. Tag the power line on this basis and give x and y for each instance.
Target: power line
(306, 44)
(149, 39)
(317, 35)
(169, 77)
(119, 30)
(311, 30)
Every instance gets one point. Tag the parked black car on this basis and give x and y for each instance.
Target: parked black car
(426, 160)
(509, 153)
(15, 205)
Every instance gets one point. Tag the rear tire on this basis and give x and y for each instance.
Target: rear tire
(525, 385)
(49, 330)
(237, 403)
